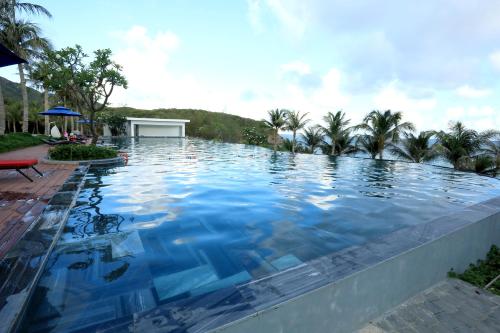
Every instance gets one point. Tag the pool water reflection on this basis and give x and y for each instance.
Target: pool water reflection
(188, 217)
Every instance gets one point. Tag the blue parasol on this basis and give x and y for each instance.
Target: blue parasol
(60, 111)
(7, 57)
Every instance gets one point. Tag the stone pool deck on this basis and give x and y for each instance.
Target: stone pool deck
(449, 306)
(21, 201)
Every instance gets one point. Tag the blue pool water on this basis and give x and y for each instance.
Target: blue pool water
(190, 217)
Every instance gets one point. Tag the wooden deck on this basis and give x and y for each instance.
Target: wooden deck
(21, 201)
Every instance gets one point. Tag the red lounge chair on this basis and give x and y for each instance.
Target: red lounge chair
(18, 165)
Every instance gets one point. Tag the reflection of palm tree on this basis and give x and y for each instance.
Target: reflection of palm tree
(312, 137)
(416, 148)
(381, 129)
(277, 122)
(97, 222)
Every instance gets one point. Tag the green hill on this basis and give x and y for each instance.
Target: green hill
(204, 124)
(12, 92)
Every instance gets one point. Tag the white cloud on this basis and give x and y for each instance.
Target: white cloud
(477, 117)
(152, 83)
(297, 66)
(471, 92)
(417, 110)
(254, 14)
(495, 60)
(293, 16)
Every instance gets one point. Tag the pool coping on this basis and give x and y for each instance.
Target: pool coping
(100, 162)
(23, 265)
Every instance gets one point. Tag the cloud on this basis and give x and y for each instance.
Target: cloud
(495, 60)
(292, 15)
(254, 14)
(146, 58)
(297, 67)
(423, 43)
(477, 117)
(471, 92)
(420, 111)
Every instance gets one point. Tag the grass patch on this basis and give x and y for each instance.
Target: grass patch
(73, 152)
(13, 141)
(483, 272)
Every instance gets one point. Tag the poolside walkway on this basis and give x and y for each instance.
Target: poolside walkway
(21, 201)
(449, 306)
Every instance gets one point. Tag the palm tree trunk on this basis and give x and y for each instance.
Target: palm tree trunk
(2, 112)
(46, 107)
(275, 143)
(333, 147)
(293, 142)
(24, 93)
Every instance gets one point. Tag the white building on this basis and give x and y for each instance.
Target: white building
(154, 127)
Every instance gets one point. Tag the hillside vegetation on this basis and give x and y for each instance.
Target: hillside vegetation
(203, 124)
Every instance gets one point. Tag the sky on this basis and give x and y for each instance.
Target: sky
(435, 60)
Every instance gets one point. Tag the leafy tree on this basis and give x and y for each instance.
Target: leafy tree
(312, 137)
(115, 121)
(461, 143)
(24, 39)
(416, 148)
(277, 122)
(335, 126)
(294, 122)
(92, 83)
(253, 136)
(382, 128)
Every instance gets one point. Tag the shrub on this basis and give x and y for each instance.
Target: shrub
(14, 141)
(483, 271)
(73, 152)
(253, 136)
(115, 121)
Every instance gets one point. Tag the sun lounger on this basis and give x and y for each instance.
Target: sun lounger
(18, 165)
(55, 142)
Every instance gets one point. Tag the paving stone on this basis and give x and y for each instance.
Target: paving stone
(449, 306)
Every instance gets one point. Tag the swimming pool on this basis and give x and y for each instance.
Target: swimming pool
(187, 218)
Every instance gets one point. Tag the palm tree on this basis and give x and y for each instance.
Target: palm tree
(8, 8)
(492, 148)
(39, 74)
(312, 138)
(462, 143)
(383, 128)
(416, 148)
(294, 122)
(335, 125)
(344, 144)
(277, 122)
(368, 144)
(23, 38)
